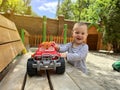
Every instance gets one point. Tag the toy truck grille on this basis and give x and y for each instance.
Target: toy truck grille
(46, 61)
(46, 57)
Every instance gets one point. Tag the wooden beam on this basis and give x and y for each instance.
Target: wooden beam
(4, 35)
(4, 22)
(37, 83)
(63, 82)
(7, 35)
(6, 55)
(82, 80)
(15, 78)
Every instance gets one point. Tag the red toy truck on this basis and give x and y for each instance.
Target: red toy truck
(46, 57)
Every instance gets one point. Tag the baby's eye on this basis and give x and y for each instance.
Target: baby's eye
(76, 32)
(83, 33)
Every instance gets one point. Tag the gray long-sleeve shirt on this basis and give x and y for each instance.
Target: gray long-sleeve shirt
(76, 56)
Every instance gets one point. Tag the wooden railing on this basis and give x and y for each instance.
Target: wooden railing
(34, 41)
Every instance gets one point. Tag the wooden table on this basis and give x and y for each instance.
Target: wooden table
(72, 79)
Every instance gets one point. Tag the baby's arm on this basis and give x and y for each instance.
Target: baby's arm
(62, 48)
(77, 56)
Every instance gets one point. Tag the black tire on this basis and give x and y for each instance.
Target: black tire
(61, 69)
(30, 70)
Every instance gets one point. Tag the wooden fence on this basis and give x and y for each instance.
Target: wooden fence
(35, 40)
(54, 27)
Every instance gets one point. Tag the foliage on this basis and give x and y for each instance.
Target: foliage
(112, 32)
(0, 2)
(15, 6)
(78, 8)
(92, 11)
(97, 10)
(65, 9)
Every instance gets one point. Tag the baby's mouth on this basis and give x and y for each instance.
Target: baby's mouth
(78, 38)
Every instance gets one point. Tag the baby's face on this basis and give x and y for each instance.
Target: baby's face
(79, 34)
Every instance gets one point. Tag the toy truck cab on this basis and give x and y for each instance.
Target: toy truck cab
(46, 57)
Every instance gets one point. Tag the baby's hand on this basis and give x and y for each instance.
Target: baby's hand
(64, 55)
(57, 47)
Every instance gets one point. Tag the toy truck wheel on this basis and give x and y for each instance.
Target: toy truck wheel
(30, 70)
(61, 69)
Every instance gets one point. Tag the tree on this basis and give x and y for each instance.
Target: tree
(78, 8)
(16, 6)
(65, 9)
(27, 2)
(73, 9)
(58, 8)
(2, 3)
(112, 32)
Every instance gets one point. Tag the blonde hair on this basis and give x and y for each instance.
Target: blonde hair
(81, 23)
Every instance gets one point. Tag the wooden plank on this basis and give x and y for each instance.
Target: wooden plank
(37, 83)
(6, 55)
(7, 35)
(14, 35)
(4, 22)
(17, 47)
(4, 35)
(14, 79)
(82, 80)
(63, 82)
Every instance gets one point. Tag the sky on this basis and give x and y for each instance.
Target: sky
(45, 7)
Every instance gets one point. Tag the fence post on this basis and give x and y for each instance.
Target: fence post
(61, 24)
(44, 29)
(65, 34)
(22, 35)
(51, 38)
